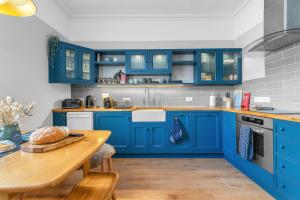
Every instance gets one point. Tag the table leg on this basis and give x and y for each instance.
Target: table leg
(4, 196)
(86, 168)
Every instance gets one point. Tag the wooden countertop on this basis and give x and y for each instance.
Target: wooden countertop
(22, 172)
(260, 114)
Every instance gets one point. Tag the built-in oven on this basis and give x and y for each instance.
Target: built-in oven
(262, 129)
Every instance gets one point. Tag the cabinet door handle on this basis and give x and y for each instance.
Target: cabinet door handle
(282, 166)
(129, 118)
(282, 186)
(282, 146)
(282, 129)
(148, 129)
(152, 129)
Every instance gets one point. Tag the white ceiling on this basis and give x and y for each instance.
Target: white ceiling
(98, 8)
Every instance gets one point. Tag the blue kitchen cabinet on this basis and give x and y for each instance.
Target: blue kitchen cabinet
(218, 66)
(139, 139)
(119, 125)
(287, 159)
(59, 119)
(229, 135)
(148, 62)
(206, 128)
(184, 145)
(231, 66)
(73, 64)
(148, 138)
(208, 66)
(157, 140)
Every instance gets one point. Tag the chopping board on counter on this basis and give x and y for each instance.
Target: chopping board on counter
(33, 148)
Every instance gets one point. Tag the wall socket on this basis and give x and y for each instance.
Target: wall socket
(189, 99)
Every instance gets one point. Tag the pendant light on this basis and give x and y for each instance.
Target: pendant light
(18, 8)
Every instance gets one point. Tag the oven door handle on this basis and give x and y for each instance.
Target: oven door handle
(258, 131)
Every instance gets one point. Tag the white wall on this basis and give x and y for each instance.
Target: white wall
(24, 68)
(52, 14)
(151, 29)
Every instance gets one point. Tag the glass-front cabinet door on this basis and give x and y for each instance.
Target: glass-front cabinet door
(208, 66)
(136, 62)
(231, 66)
(160, 62)
(70, 63)
(86, 67)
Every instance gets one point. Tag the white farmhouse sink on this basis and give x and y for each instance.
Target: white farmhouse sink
(153, 115)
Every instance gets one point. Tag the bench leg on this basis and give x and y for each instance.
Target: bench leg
(109, 164)
(113, 197)
(103, 167)
(86, 168)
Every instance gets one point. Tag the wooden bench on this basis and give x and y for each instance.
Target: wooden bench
(95, 186)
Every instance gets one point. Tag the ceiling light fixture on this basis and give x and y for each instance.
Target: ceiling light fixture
(18, 8)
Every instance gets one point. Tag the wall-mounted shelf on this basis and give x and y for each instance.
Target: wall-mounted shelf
(183, 62)
(145, 85)
(103, 63)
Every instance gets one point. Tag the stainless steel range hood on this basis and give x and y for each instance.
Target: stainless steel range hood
(281, 26)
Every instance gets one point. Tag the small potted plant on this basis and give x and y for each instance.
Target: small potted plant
(11, 113)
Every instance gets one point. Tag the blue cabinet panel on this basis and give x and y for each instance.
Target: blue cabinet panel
(148, 62)
(158, 138)
(287, 188)
(288, 168)
(231, 66)
(185, 144)
(119, 125)
(229, 134)
(59, 119)
(73, 64)
(207, 132)
(149, 138)
(139, 139)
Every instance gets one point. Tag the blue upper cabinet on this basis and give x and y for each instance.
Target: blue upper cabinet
(86, 66)
(208, 66)
(160, 62)
(74, 64)
(136, 62)
(218, 66)
(145, 62)
(231, 66)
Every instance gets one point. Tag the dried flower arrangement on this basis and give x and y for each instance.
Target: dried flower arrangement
(12, 112)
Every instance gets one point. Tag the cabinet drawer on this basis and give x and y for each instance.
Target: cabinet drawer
(288, 129)
(288, 168)
(288, 188)
(287, 146)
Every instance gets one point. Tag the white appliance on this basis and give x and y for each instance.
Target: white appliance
(80, 120)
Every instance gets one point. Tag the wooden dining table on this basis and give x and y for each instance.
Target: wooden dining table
(22, 172)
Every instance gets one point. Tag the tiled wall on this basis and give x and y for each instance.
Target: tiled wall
(163, 96)
(282, 81)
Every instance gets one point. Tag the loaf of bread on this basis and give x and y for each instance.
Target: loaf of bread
(47, 135)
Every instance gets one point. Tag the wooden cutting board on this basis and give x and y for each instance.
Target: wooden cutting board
(31, 148)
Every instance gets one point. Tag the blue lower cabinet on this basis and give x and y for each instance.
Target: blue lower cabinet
(207, 132)
(288, 188)
(148, 138)
(59, 119)
(185, 144)
(157, 139)
(119, 125)
(229, 135)
(287, 148)
(139, 139)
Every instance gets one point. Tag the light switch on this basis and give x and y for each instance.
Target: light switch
(189, 99)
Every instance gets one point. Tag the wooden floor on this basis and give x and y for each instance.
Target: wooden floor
(171, 179)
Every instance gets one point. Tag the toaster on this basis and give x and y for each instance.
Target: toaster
(71, 103)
